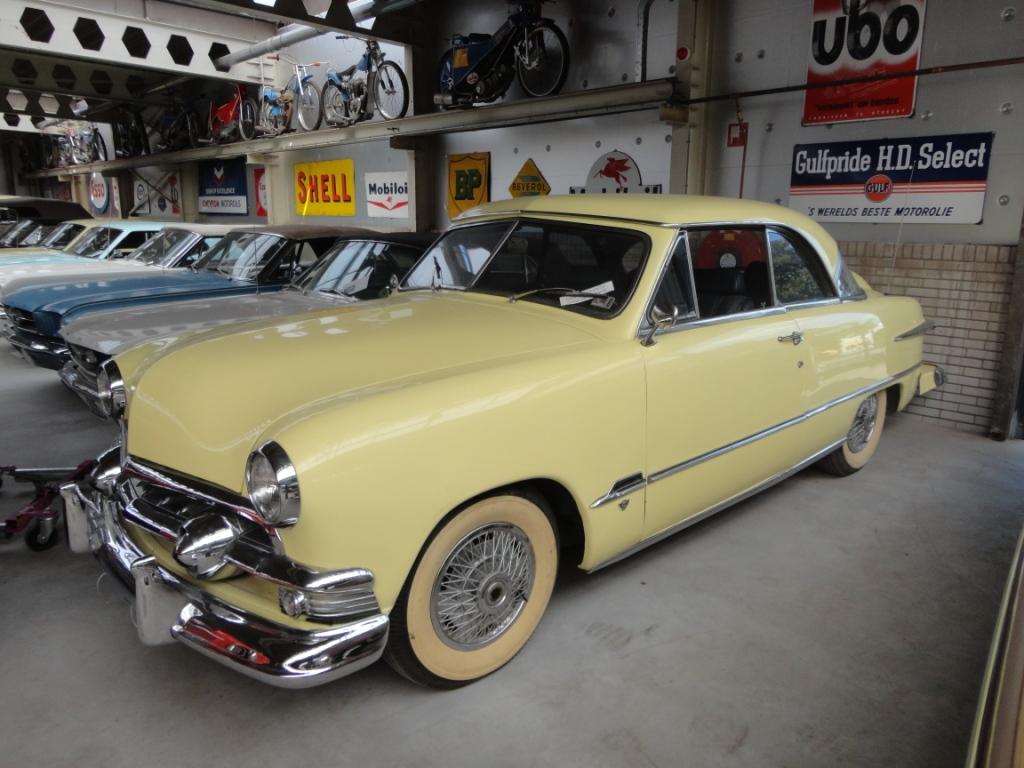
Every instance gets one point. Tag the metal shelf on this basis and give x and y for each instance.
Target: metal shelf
(600, 101)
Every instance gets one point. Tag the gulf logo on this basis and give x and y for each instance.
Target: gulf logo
(878, 188)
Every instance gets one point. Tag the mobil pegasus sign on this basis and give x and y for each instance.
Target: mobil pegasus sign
(932, 179)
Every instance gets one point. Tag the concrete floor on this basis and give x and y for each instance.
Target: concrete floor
(824, 623)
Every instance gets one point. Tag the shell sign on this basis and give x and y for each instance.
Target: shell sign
(325, 188)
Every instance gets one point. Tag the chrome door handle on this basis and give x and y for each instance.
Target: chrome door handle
(795, 337)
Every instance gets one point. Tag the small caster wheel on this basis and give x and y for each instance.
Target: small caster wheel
(39, 537)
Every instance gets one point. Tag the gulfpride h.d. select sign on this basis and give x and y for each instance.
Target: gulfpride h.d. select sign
(325, 188)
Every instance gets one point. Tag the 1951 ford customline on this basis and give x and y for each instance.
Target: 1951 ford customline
(554, 378)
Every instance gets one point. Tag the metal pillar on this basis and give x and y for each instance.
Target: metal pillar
(1006, 418)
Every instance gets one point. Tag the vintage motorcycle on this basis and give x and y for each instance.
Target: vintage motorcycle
(298, 95)
(131, 135)
(344, 97)
(177, 128)
(80, 144)
(234, 119)
(480, 68)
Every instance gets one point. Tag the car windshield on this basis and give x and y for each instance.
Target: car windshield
(583, 268)
(93, 242)
(34, 235)
(358, 269)
(16, 232)
(61, 235)
(162, 248)
(241, 255)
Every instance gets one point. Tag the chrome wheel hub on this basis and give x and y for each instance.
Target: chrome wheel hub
(482, 587)
(863, 425)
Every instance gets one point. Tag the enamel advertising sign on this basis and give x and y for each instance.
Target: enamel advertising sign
(860, 39)
(325, 188)
(469, 182)
(529, 182)
(223, 188)
(614, 173)
(387, 195)
(259, 180)
(927, 179)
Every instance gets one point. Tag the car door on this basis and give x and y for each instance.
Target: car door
(721, 381)
(842, 341)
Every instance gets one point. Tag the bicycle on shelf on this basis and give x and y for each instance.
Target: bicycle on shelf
(299, 96)
(345, 97)
(480, 68)
(131, 135)
(177, 128)
(234, 119)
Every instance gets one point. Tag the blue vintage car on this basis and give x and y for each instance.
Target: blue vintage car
(98, 240)
(246, 261)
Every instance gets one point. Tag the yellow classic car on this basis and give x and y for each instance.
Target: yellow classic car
(558, 378)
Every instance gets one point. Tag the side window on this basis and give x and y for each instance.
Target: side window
(675, 289)
(133, 240)
(306, 255)
(849, 288)
(198, 251)
(730, 270)
(797, 269)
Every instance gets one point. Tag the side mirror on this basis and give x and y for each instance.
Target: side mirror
(660, 321)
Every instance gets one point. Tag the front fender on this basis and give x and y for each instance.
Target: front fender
(378, 471)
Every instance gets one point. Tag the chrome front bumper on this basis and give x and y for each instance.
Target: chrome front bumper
(43, 351)
(167, 607)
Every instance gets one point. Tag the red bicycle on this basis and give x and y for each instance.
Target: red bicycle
(233, 120)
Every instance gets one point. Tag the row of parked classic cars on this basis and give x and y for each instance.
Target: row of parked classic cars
(338, 445)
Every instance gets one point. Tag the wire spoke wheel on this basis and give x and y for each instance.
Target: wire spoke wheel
(863, 425)
(390, 91)
(477, 592)
(247, 120)
(483, 586)
(307, 108)
(542, 61)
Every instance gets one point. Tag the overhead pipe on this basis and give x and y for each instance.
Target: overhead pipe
(290, 35)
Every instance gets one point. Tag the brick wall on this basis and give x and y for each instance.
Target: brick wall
(965, 291)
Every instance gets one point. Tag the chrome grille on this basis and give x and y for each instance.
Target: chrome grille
(163, 511)
(87, 360)
(20, 319)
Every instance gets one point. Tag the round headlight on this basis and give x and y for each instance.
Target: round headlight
(110, 388)
(273, 485)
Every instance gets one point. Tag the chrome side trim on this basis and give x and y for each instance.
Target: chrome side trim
(694, 519)
(620, 488)
(918, 330)
(713, 454)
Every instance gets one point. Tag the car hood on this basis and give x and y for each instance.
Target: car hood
(201, 405)
(116, 330)
(41, 257)
(34, 275)
(118, 291)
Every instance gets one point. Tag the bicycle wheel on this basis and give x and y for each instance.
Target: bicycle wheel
(446, 74)
(247, 120)
(192, 129)
(99, 148)
(545, 65)
(307, 108)
(391, 91)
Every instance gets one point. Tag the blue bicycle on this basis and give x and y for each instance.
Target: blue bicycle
(299, 96)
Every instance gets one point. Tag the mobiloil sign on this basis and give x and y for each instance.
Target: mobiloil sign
(933, 179)
(325, 188)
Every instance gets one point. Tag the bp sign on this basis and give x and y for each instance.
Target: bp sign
(529, 182)
(469, 181)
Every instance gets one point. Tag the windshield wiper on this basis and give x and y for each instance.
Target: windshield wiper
(570, 293)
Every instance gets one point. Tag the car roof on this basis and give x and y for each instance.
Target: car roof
(42, 207)
(134, 225)
(414, 239)
(306, 231)
(205, 229)
(664, 210)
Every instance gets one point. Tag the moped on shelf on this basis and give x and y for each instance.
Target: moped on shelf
(80, 144)
(299, 96)
(480, 68)
(345, 97)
